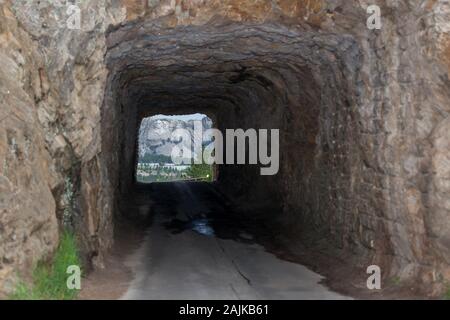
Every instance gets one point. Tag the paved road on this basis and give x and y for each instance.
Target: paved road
(192, 251)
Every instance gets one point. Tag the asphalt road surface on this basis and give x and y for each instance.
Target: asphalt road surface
(194, 250)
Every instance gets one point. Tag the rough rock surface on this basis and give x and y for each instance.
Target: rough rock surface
(156, 135)
(365, 149)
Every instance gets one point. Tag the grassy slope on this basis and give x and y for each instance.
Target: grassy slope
(49, 281)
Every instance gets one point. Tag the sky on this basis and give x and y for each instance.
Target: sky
(184, 117)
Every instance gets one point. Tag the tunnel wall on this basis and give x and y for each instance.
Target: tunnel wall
(367, 164)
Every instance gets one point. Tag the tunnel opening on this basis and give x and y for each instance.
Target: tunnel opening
(172, 148)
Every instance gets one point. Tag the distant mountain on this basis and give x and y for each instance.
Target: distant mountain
(155, 135)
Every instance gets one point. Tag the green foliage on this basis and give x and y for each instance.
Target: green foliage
(49, 281)
(396, 280)
(200, 171)
(447, 294)
(155, 158)
(165, 173)
(68, 197)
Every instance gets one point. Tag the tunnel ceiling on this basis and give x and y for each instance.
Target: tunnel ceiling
(205, 67)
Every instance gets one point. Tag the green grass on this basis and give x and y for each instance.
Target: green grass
(49, 280)
(447, 294)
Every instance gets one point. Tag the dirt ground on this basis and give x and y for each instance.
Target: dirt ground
(112, 281)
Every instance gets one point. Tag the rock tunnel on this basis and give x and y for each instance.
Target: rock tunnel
(231, 73)
(362, 118)
(305, 83)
